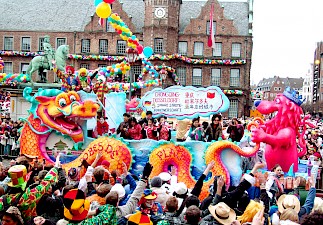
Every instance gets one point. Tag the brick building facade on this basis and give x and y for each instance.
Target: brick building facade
(169, 26)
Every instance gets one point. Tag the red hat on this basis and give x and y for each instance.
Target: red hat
(67, 68)
(105, 163)
(318, 155)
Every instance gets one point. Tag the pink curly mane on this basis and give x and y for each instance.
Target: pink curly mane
(288, 115)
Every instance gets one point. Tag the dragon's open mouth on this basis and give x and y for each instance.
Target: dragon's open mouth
(70, 124)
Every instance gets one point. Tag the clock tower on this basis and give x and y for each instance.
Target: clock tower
(161, 25)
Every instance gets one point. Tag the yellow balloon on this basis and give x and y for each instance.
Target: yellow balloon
(103, 10)
(143, 115)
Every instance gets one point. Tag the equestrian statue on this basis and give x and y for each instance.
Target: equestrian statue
(47, 61)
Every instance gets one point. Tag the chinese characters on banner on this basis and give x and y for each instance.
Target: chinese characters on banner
(185, 102)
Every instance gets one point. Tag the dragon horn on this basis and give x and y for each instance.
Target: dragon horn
(26, 94)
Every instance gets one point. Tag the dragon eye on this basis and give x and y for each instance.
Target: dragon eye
(62, 102)
(72, 98)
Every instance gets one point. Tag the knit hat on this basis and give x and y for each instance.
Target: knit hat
(119, 189)
(18, 175)
(76, 207)
(14, 211)
(73, 173)
(156, 182)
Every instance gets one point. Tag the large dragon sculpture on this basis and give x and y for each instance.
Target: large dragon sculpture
(282, 132)
(54, 111)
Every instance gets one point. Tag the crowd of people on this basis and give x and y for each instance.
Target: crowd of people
(10, 137)
(35, 193)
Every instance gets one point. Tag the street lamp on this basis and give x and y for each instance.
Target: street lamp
(163, 74)
(131, 58)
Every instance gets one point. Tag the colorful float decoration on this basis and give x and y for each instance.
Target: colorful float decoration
(13, 79)
(280, 132)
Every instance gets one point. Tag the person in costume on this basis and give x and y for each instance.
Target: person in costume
(101, 87)
(24, 197)
(85, 79)
(69, 80)
(102, 126)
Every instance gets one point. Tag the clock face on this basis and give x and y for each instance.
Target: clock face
(160, 12)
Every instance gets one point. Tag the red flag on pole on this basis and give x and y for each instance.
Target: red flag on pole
(101, 22)
(211, 40)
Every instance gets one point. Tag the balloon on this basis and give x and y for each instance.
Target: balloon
(103, 10)
(143, 115)
(148, 51)
(140, 49)
(133, 37)
(108, 1)
(97, 2)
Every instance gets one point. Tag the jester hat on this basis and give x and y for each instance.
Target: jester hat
(18, 175)
(76, 207)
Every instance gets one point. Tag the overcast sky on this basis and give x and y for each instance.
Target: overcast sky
(285, 35)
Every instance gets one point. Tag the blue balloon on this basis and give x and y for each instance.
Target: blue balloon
(97, 2)
(148, 51)
(133, 37)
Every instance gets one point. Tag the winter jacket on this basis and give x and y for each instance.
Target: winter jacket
(162, 196)
(132, 203)
(30, 197)
(213, 133)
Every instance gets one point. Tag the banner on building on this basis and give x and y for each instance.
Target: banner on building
(315, 82)
(185, 102)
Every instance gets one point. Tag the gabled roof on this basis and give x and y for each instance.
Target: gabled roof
(74, 15)
(46, 15)
(266, 82)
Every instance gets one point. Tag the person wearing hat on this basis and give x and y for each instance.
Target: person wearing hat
(12, 216)
(147, 209)
(221, 213)
(76, 209)
(156, 186)
(132, 202)
(291, 201)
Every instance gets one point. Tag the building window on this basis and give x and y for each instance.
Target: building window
(86, 46)
(25, 44)
(181, 73)
(8, 44)
(208, 27)
(24, 67)
(234, 77)
(85, 65)
(233, 109)
(198, 48)
(40, 44)
(136, 71)
(109, 27)
(216, 77)
(103, 46)
(159, 45)
(60, 41)
(197, 77)
(102, 65)
(121, 47)
(217, 51)
(7, 67)
(182, 47)
(236, 50)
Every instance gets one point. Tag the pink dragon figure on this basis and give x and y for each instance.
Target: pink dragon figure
(281, 132)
